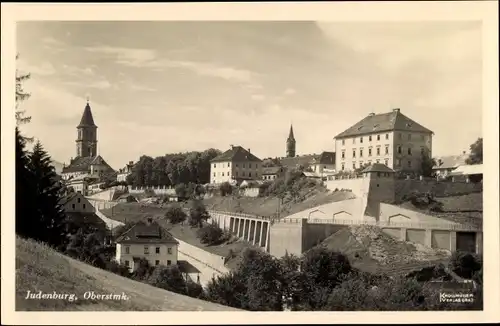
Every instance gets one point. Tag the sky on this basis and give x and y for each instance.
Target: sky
(165, 87)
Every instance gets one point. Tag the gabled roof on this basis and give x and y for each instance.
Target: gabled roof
(450, 162)
(292, 162)
(236, 154)
(150, 232)
(271, 170)
(377, 167)
(391, 121)
(82, 164)
(87, 118)
(468, 170)
(325, 158)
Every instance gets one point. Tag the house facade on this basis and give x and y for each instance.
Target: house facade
(236, 164)
(390, 138)
(446, 164)
(271, 173)
(324, 163)
(146, 240)
(125, 172)
(77, 203)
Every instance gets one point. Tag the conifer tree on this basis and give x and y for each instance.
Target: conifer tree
(50, 216)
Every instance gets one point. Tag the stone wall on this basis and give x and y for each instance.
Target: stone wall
(158, 190)
(213, 261)
(438, 188)
(358, 186)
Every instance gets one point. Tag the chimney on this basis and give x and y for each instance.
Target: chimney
(232, 146)
(371, 114)
(130, 162)
(396, 110)
(463, 152)
(249, 150)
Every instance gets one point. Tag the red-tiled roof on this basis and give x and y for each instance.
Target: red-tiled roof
(391, 121)
(236, 154)
(146, 233)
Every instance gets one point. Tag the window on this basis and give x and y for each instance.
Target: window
(127, 250)
(342, 166)
(378, 161)
(360, 164)
(157, 250)
(78, 200)
(169, 262)
(409, 150)
(369, 138)
(146, 250)
(353, 165)
(236, 165)
(228, 164)
(399, 149)
(214, 174)
(361, 140)
(422, 150)
(360, 152)
(127, 263)
(249, 174)
(83, 206)
(228, 173)
(157, 262)
(73, 206)
(354, 153)
(386, 161)
(409, 136)
(343, 142)
(378, 137)
(215, 165)
(222, 173)
(378, 150)
(369, 152)
(398, 162)
(343, 154)
(409, 163)
(369, 162)
(236, 173)
(378, 174)
(386, 136)
(169, 250)
(386, 150)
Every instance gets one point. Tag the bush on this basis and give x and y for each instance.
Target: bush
(169, 278)
(465, 264)
(198, 214)
(226, 189)
(116, 268)
(210, 234)
(175, 215)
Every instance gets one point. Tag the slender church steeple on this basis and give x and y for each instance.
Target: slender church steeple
(290, 144)
(86, 142)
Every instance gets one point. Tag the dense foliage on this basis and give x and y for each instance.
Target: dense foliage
(173, 169)
(476, 152)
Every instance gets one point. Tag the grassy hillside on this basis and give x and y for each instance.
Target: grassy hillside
(39, 268)
(465, 209)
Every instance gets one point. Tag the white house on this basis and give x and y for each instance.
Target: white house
(146, 240)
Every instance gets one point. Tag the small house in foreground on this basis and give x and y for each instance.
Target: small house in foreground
(146, 240)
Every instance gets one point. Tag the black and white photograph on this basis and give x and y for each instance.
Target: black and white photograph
(266, 165)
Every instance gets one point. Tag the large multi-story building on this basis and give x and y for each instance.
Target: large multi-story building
(236, 164)
(389, 138)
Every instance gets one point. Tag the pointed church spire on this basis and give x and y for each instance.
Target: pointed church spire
(87, 118)
(290, 135)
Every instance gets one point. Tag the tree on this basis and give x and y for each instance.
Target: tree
(181, 190)
(46, 220)
(426, 165)
(21, 95)
(198, 214)
(143, 270)
(210, 234)
(169, 278)
(175, 214)
(476, 152)
(225, 189)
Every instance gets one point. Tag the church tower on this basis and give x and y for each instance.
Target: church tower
(86, 142)
(290, 144)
